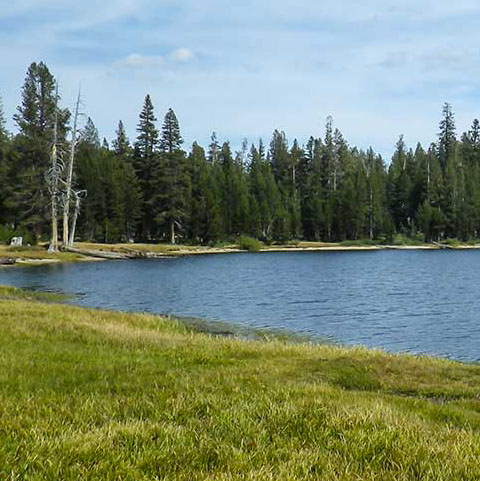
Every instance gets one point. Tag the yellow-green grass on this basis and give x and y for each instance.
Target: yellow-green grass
(163, 248)
(140, 247)
(94, 395)
(37, 253)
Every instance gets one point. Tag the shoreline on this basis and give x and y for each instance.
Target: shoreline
(87, 252)
(218, 328)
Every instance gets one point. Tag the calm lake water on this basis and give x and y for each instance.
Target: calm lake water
(416, 301)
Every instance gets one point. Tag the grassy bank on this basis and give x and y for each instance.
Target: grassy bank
(37, 254)
(87, 394)
(87, 251)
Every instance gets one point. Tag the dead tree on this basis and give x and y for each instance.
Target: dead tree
(78, 195)
(52, 177)
(69, 177)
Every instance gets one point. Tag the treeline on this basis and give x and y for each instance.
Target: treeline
(154, 190)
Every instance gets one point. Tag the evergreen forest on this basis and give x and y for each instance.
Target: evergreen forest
(153, 188)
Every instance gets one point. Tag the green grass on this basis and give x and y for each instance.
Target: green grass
(402, 240)
(249, 244)
(359, 243)
(8, 293)
(94, 395)
(37, 253)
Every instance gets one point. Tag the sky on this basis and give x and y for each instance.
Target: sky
(243, 68)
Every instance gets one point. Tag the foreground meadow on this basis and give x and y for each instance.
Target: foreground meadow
(95, 395)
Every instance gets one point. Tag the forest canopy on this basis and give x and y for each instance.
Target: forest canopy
(153, 188)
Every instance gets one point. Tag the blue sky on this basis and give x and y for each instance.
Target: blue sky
(243, 68)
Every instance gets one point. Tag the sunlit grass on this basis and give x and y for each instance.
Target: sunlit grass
(9, 293)
(88, 394)
(37, 253)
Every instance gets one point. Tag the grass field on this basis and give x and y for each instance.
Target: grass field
(37, 253)
(94, 395)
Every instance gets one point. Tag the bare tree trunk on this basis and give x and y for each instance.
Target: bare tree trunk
(68, 184)
(53, 180)
(74, 219)
(371, 213)
(428, 179)
(172, 232)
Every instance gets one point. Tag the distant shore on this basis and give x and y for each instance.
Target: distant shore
(85, 251)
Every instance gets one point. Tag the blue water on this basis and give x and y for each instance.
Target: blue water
(416, 301)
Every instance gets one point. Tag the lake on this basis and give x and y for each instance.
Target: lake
(424, 302)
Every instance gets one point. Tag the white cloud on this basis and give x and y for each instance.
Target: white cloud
(291, 64)
(182, 55)
(135, 60)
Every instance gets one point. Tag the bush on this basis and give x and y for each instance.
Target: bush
(249, 244)
(452, 242)
(403, 240)
(6, 234)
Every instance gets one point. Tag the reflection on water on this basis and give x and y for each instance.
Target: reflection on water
(417, 301)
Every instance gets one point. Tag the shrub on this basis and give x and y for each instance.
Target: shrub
(249, 244)
(452, 242)
(6, 234)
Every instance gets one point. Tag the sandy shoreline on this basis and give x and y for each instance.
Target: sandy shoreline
(98, 252)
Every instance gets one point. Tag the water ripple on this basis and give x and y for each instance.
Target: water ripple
(422, 302)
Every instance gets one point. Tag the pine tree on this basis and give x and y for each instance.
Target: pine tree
(145, 162)
(447, 137)
(131, 197)
(147, 139)
(121, 144)
(264, 195)
(399, 188)
(35, 118)
(375, 177)
(313, 199)
(214, 149)
(171, 182)
(3, 129)
(4, 168)
(171, 140)
(89, 134)
(197, 205)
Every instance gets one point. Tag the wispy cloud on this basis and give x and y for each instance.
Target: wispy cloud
(380, 67)
(182, 55)
(135, 60)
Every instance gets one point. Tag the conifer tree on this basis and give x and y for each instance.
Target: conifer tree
(145, 162)
(313, 199)
(197, 205)
(447, 137)
(89, 134)
(4, 168)
(214, 149)
(171, 139)
(171, 182)
(147, 139)
(121, 144)
(35, 119)
(3, 130)
(131, 194)
(399, 188)
(265, 200)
